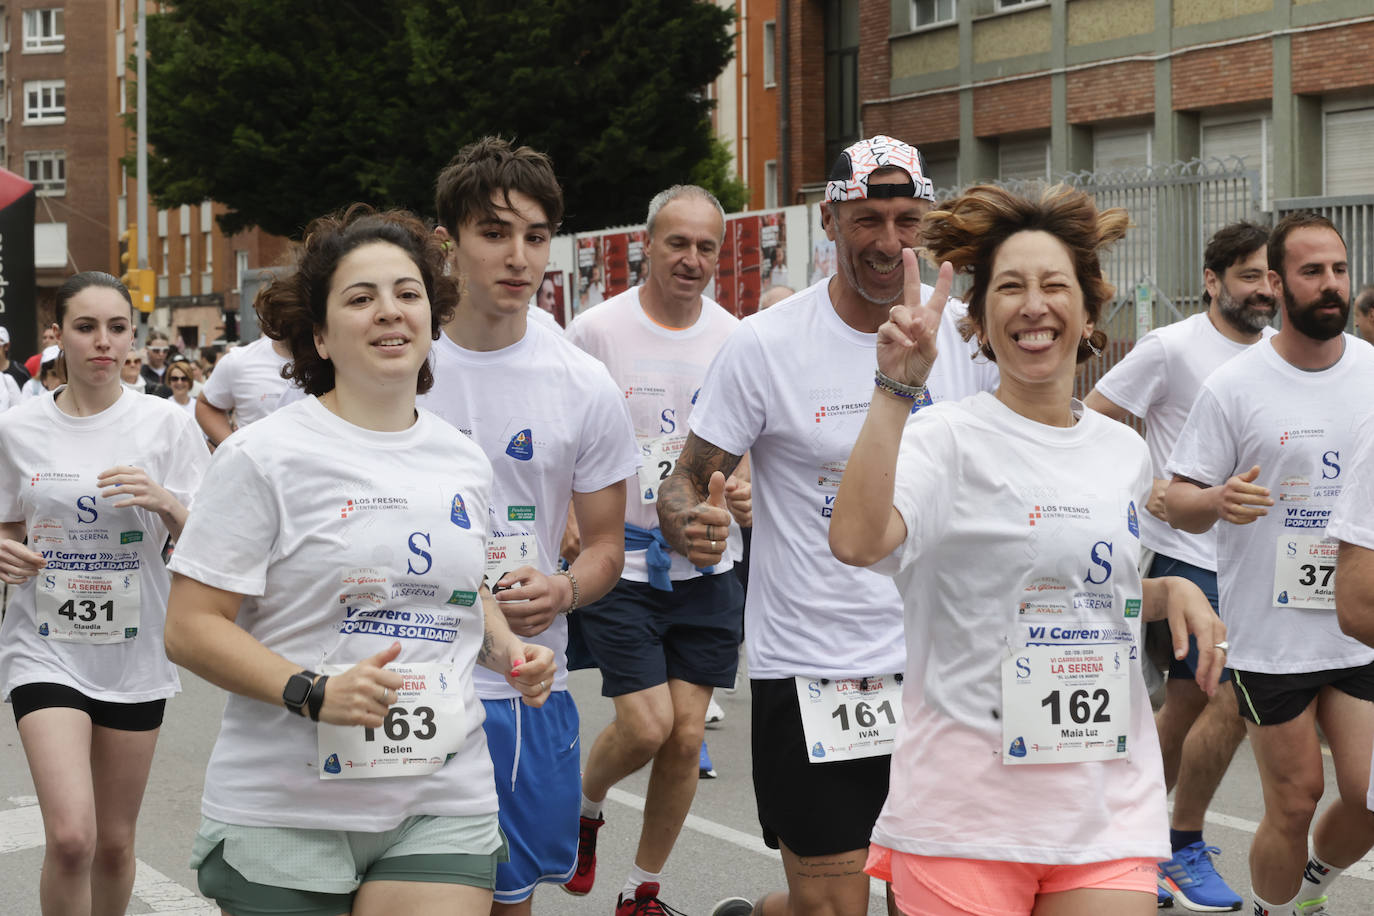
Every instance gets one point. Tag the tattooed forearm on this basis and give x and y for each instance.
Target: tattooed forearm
(686, 487)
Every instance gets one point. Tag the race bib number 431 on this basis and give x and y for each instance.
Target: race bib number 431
(423, 728)
(95, 608)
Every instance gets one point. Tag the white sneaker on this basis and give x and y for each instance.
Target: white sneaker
(714, 714)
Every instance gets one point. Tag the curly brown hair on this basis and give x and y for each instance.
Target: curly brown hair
(292, 308)
(968, 230)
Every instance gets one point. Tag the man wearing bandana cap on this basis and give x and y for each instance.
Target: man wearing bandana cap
(791, 387)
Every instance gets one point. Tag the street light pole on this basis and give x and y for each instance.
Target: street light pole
(141, 43)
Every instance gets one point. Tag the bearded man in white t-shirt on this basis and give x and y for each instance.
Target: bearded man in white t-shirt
(669, 632)
(1279, 420)
(1158, 381)
(791, 387)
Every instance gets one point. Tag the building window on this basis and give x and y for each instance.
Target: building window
(770, 42)
(47, 169)
(1346, 164)
(1003, 5)
(186, 254)
(932, 12)
(45, 102)
(43, 31)
(841, 77)
(770, 184)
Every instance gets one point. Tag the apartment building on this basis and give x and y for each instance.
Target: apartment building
(1036, 88)
(68, 89)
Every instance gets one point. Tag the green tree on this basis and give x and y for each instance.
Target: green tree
(285, 109)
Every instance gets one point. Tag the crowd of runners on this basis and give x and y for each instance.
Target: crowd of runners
(952, 579)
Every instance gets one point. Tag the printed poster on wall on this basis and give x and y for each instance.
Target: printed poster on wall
(551, 297)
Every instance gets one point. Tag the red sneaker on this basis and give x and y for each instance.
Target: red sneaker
(645, 903)
(581, 882)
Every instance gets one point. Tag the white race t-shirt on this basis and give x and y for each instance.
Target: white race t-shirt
(660, 372)
(792, 388)
(1011, 526)
(551, 421)
(1158, 382)
(49, 462)
(9, 392)
(343, 540)
(1299, 428)
(247, 380)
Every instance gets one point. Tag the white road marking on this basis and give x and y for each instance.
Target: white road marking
(167, 897)
(22, 828)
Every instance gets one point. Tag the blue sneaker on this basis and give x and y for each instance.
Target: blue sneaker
(1192, 879)
(704, 768)
(1165, 899)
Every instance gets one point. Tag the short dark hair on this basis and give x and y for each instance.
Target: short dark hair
(292, 308)
(968, 231)
(1364, 300)
(1230, 245)
(1298, 219)
(85, 280)
(464, 189)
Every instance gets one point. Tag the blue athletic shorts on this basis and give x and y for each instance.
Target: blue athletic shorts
(641, 637)
(1205, 579)
(539, 784)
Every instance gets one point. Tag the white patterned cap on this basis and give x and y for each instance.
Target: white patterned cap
(849, 176)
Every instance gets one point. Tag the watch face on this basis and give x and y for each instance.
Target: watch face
(297, 689)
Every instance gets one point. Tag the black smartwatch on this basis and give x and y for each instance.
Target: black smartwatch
(297, 691)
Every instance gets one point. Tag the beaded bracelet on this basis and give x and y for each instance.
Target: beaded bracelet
(573, 579)
(892, 386)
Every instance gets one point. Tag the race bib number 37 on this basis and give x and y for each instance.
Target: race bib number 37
(423, 728)
(1305, 572)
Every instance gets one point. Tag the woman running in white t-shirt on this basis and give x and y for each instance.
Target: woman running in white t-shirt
(1026, 776)
(331, 580)
(95, 477)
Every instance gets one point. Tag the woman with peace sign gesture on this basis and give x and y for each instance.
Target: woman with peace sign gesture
(1026, 775)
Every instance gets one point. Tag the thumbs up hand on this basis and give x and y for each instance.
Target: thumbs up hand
(709, 525)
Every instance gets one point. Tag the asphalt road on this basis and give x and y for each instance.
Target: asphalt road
(718, 854)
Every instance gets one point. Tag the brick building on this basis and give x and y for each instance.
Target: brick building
(67, 89)
(747, 98)
(1036, 88)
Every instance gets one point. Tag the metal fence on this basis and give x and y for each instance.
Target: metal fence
(1174, 210)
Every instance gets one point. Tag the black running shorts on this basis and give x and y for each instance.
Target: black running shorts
(816, 809)
(1272, 699)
